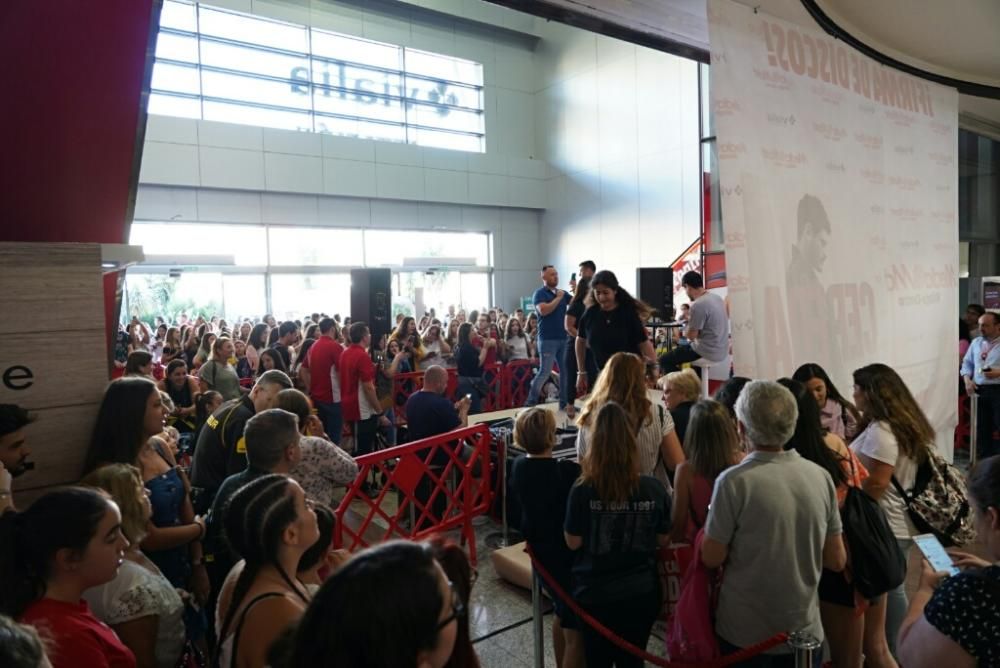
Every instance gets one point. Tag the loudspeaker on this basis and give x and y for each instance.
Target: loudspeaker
(655, 286)
(371, 300)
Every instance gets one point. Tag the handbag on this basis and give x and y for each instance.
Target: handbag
(691, 630)
(877, 563)
(939, 502)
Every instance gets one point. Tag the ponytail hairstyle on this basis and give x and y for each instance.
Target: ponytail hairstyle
(326, 521)
(119, 433)
(887, 398)
(808, 437)
(625, 300)
(202, 402)
(253, 522)
(65, 518)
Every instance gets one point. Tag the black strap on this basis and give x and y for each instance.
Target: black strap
(659, 450)
(243, 618)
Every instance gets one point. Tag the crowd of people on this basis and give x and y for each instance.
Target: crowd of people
(200, 532)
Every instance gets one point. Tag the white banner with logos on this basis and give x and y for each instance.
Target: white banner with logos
(840, 208)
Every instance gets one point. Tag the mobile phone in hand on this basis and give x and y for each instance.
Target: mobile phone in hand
(934, 553)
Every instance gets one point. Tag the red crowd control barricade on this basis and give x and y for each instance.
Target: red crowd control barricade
(432, 485)
(517, 377)
(403, 385)
(492, 378)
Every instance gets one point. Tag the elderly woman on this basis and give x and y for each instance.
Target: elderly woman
(680, 390)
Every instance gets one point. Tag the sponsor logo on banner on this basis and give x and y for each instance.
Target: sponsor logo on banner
(937, 127)
(736, 240)
(836, 166)
(772, 79)
(738, 283)
(786, 159)
(780, 120)
(942, 159)
(943, 216)
(731, 151)
(873, 176)
(899, 118)
(877, 209)
(725, 106)
(829, 132)
(872, 142)
(906, 213)
(906, 183)
(731, 192)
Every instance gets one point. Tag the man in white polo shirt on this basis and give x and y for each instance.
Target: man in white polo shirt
(774, 523)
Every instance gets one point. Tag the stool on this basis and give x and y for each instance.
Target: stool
(704, 365)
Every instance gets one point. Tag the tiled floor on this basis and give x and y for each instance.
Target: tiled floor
(500, 620)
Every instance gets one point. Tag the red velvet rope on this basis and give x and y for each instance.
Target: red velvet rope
(610, 635)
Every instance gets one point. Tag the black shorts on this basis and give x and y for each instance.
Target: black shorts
(834, 588)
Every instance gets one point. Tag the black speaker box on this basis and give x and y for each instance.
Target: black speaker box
(371, 300)
(655, 286)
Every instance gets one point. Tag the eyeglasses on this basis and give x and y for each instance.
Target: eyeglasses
(457, 608)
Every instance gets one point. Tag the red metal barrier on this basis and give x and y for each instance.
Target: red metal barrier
(426, 488)
(517, 377)
(963, 434)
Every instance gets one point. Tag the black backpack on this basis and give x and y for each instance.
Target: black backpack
(877, 564)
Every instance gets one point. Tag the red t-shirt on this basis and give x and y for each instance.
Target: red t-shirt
(77, 637)
(323, 361)
(355, 367)
(491, 354)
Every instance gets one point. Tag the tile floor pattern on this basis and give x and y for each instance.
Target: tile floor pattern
(500, 617)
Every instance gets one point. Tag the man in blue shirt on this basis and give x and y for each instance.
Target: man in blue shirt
(981, 373)
(550, 304)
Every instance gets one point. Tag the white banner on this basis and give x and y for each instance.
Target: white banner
(840, 209)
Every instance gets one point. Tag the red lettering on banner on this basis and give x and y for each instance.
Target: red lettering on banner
(776, 332)
(826, 60)
(854, 332)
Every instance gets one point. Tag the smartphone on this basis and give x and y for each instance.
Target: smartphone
(935, 554)
(572, 276)
(468, 396)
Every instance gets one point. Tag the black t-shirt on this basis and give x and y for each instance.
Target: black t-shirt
(617, 538)
(220, 450)
(542, 485)
(575, 310)
(608, 332)
(681, 415)
(467, 361)
(286, 354)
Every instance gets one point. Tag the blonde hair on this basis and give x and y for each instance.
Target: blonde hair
(710, 442)
(611, 464)
(535, 430)
(124, 483)
(623, 381)
(686, 383)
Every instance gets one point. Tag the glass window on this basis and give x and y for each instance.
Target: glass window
(475, 290)
(401, 247)
(436, 290)
(254, 61)
(243, 296)
(253, 30)
(177, 47)
(178, 15)
(193, 292)
(172, 105)
(444, 67)
(315, 246)
(258, 116)
(293, 295)
(246, 243)
(713, 203)
(275, 74)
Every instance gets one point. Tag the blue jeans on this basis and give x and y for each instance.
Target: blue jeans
(551, 351)
(332, 418)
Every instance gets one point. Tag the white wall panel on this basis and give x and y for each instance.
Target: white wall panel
(231, 168)
(349, 177)
(227, 206)
(293, 173)
(289, 209)
(230, 135)
(171, 164)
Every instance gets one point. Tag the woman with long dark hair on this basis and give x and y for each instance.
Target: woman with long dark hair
(270, 525)
(256, 343)
(418, 629)
(171, 345)
(613, 323)
(837, 414)
(469, 361)
(66, 542)
(852, 635)
(896, 438)
(270, 359)
(184, 392)
(130, 414)
(615, 576)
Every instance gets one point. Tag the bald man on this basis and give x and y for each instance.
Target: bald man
(429, 412)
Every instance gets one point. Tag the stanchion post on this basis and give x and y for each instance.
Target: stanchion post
(538, 626)
(973, 428)
(803, 644)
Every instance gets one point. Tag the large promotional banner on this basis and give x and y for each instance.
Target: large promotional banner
(840, 207)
